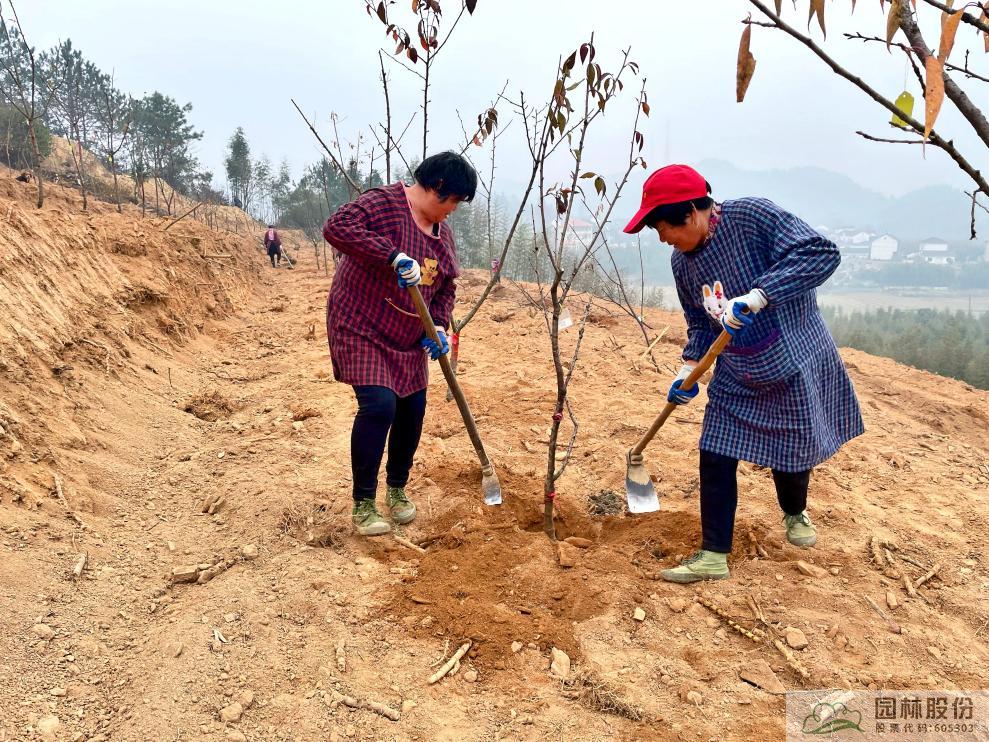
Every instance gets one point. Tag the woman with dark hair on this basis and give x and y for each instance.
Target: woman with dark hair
(780, 396)
(377, 344)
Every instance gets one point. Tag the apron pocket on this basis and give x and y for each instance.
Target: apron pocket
(767, 362)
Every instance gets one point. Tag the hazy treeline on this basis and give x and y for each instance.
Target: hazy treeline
(954, 344)
(148, 138)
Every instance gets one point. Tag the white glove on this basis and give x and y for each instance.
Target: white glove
(407, 269)
(734, 317)
(676, 395)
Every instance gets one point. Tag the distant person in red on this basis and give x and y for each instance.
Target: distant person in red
(273, 244)
(376, 340)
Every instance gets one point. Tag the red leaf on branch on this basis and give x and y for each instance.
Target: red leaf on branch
(949, 28)
(933, 93)
(745, 66)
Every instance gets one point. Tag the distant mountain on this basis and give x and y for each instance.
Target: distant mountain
(822, 197)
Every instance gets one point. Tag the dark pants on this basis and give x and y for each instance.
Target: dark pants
(719, 497)
(275, 252)
(379, 410)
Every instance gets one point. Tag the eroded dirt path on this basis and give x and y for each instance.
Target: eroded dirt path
(123, 654)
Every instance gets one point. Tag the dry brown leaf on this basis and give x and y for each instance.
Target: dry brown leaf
(817, 8)
(948, 30)
(853, 6)
(893, 20)
(985, 35)
(933, 93)
(779, 7)
(746, 64)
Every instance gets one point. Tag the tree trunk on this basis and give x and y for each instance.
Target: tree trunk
(80, 170)
(116, 189)
(37, 163)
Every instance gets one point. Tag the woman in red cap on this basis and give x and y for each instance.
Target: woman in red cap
(780, 396)
(376, 339)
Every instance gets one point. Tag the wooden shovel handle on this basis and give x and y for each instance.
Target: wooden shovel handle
(451, 378)
(699, 370)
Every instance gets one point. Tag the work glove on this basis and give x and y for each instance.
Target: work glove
(740, 312)
(435, 351)
(407, 269)
(676, 395)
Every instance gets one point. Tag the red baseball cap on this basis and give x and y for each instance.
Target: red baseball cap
(668, 185)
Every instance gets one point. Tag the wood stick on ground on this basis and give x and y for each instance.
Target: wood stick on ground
(934, 570)
(893, 625)
(176, 221)
(756, 635)
(889, 557)
(450, 663)
(910, 560)
(442, 659)
(877, 556)
(409, 545)
(65, 504)
(342, 655)
(790, 659)
(80, 565)
(653, 343)
(219, 568)
(909, 587)
(759, 549)
(378, 708)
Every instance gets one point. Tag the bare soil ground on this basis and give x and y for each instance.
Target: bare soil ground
(150, 380)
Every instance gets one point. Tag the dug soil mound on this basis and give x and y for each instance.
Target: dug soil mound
(174, 574)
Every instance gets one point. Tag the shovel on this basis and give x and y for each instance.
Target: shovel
(639, 492)
(490, 485)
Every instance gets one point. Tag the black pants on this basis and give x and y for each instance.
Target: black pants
(719, 497)
(275, 252)
(380, 410)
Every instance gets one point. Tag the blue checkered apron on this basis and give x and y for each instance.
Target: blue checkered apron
(780, 396)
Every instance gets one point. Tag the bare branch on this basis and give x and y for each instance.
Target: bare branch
(934, 139)
(889, 141)
(971, 20)
(947, 65)
(955, 94)
(340, 168)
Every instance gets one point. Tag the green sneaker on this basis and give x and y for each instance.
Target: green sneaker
(401, 508)
(703, 565)
(367, 521)
(799, 530)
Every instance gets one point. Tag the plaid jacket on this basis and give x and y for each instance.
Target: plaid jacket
(371, 323)
(780, 396)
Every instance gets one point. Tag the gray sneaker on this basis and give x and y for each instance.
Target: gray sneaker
(702, 565)
(367, 520)
(799, 530)
(401, 508)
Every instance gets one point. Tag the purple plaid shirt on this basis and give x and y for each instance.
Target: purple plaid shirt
(371, 323)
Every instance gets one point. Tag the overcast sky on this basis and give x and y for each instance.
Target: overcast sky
(239, 62)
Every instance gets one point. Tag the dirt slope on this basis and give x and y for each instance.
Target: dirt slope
(110, 330)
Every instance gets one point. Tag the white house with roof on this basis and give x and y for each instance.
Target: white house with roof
(883, 247)
(934, 250)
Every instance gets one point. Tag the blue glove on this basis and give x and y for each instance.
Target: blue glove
(676, 395)
(407, 269)
(740, 312)
(435, 351)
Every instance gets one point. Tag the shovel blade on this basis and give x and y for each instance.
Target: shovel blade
(491, 487)
(639, 491)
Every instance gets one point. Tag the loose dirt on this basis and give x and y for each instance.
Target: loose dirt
(151, 379)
